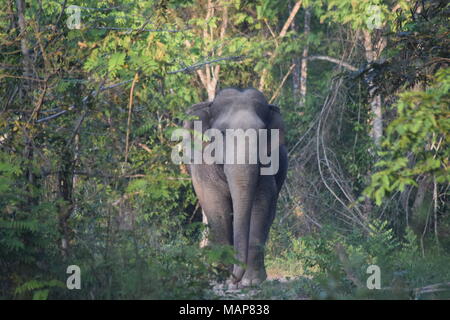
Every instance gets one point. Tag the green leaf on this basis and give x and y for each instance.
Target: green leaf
(41, 294)
(116, 61)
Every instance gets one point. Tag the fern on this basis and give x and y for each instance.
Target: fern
(146, 128)
(27, 225)
(12, 244)
(40, 289)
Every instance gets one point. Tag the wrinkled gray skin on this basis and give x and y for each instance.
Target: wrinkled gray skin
(238, 202)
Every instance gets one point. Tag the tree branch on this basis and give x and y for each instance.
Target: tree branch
(289, 20)
(280, 36)
(130, 106)
(188, 69)
(138, 30)
(201, 64)
(275, 95)
(60, 113)
(334, 60)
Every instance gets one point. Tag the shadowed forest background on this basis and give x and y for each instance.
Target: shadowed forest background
(87, 110)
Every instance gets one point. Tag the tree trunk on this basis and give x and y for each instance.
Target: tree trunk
(210, 76)
(373, 53)
(26, 97)
(287, 24)
(304, 66)
(65, 187)
(24, 47)
(296, 71)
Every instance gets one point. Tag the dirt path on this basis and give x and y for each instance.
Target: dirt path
(274, 288)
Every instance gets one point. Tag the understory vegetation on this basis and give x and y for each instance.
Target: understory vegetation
(91, 94)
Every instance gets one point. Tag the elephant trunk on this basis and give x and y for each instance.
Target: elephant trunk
(242, 180)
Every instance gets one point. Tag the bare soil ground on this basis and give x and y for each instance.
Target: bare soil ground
(276, 287)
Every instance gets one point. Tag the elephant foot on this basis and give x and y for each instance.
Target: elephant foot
(249, 278)
(253, 277)
(238, 273)
(232, 285)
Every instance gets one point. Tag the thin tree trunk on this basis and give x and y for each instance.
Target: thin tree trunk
(65, 186)
(373, 52)
(296, 78)
(296, 71)
(25, 90)
(377, 126)
(24, 47)
(209, 77)
(304, 66)
(283, 32)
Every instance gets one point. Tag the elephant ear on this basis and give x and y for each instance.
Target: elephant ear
(198, 112)
(276, 122)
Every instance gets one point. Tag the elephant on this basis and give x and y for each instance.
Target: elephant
(238, 200)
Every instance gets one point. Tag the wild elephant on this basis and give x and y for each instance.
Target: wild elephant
(239, 199)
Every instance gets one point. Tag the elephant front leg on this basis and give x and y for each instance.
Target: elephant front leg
(263, 213)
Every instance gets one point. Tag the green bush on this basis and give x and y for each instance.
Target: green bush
(337, 264)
